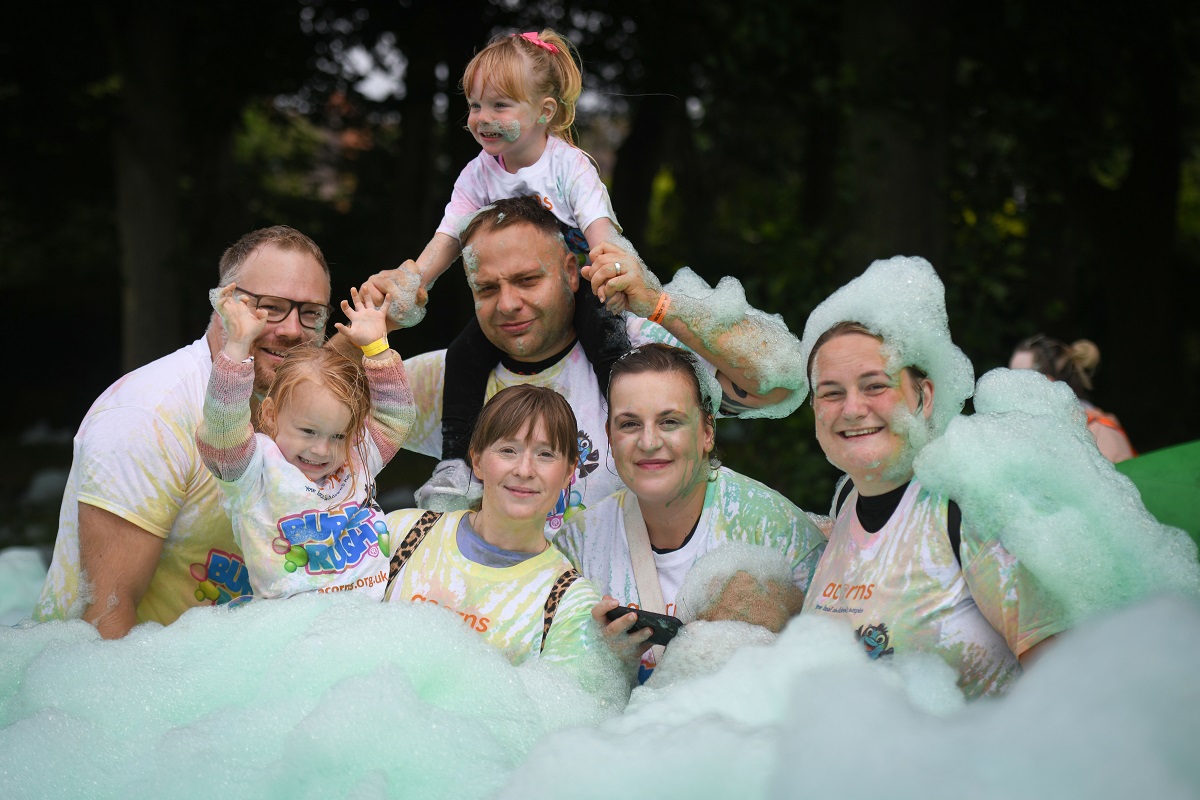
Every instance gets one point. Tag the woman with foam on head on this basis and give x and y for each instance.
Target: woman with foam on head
(493, 566)
(301, 493)
(521, 92)
(1074, 365)
(886, 379)
(639, 544)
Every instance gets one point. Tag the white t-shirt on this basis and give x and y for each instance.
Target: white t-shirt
(902, 590)
(596, 477)
(563, 179)
(330, 535)
(135, 456)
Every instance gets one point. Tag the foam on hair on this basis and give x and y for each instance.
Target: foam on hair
(903, 301)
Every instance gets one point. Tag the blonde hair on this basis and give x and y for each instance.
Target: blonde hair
(523, 70)
(342, 376)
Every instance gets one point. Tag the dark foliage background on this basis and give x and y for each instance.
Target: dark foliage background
(1044, 157)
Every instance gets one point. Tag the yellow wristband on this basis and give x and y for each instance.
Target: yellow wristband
(660, 310)
(375, 348)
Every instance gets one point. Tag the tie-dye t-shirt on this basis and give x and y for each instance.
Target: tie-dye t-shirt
(135, 456)
(736, 509)
(902, 590)
(298, 536)
(595, 478)
(563, 179)
(505, 605)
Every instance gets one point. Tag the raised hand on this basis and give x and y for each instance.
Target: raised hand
(243, 323)
(368, 320)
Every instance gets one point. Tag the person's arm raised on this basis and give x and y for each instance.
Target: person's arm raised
(404, 284)
(242, 322)
(437, 257)
(392, 408)
(756, 357)
(118, 560)
(407, 306)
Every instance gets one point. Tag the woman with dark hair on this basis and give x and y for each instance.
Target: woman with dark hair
(1074, 365)
(493, 566)
(679, 503)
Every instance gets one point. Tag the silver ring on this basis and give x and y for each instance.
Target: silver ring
(617, 267)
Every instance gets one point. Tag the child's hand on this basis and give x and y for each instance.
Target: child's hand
(620, 280)
(407, 307)
(368, 321)
(243, 323)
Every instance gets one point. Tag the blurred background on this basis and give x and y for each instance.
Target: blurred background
(1044, 157)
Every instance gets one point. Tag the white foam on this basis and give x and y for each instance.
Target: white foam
(704, 647)
(325, 696)
(1109, 713)
(711, 572)
(22, 573)
(1025, 467)
(903, 300)
(404, 310)
(312, 696)
(753, 341)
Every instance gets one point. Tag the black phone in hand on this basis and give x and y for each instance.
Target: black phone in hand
(664, 626)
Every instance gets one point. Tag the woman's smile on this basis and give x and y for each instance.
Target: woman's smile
(659, 436)
(864, 414)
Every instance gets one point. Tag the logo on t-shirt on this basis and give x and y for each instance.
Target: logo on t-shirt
(589, 457)
(570, 500)
(331, 540)
(221, 578)
(875, 639)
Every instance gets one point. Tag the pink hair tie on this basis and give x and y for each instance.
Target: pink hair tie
(536, 40)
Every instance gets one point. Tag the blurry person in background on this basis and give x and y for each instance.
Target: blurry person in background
(1074, 365)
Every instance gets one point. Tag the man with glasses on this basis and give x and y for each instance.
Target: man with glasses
(141, 532)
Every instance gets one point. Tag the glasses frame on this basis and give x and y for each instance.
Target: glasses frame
(292, 305)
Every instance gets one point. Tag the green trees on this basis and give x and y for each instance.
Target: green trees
(1044, 158)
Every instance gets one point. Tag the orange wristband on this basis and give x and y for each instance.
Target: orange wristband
(660, 310)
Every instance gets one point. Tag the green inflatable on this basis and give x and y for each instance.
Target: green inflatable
(1169, 480)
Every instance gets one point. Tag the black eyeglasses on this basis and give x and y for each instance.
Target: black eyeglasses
(311, 315)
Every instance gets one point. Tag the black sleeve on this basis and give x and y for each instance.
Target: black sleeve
(470, 359)
(601, 333)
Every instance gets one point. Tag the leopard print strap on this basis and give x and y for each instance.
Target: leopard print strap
(556, 594)
(415, 536)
